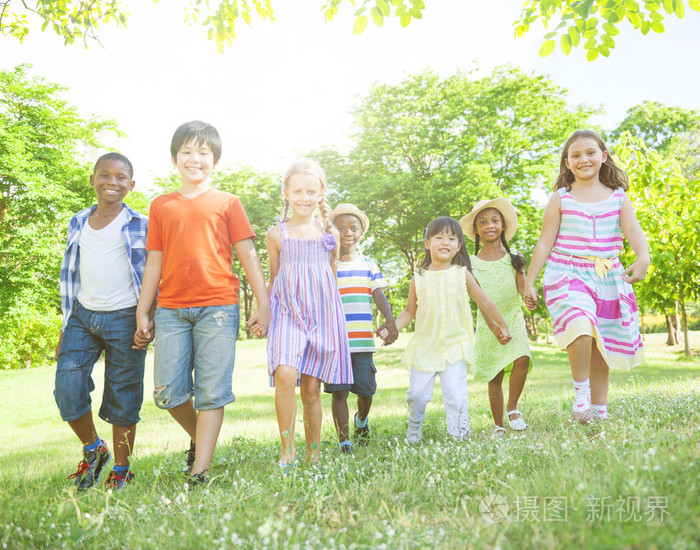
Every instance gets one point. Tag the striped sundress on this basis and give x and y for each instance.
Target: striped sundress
(583, 288)
(307, 326)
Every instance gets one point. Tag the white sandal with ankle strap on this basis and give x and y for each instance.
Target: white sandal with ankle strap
(498, 433)
(517, 424)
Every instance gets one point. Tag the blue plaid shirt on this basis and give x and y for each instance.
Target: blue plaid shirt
(134, 233)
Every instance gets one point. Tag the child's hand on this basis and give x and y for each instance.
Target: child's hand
(58, 347)
(503, 335)
(383, 333)
(638, 271)
(144, 334)
(258, 322)
(530, 298)
(392, 333)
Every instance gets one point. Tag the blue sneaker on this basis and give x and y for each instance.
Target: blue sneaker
(90, 467)
(117, 480)
(361, 434)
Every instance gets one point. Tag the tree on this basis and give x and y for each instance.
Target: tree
(657, 124)
(666, 207)
(579, 21)
(43, 181)
(428, 147)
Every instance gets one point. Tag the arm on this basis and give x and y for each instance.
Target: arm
(492, 316)
(149, 287)
(245, 250)
(385, 309)
(638, 241)
(274, 246)
(405, 317)
(550, 230)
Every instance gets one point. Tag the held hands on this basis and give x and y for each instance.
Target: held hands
(388, 333)
(144, 334)
(258, 322)
(502, 335)
(530, 298)
(636, 272)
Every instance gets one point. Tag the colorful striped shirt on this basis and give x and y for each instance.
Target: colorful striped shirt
(357, 280)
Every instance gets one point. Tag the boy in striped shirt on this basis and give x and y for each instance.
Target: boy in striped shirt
(360, 283)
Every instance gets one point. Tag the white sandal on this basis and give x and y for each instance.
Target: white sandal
(498, 433)
(517, 424)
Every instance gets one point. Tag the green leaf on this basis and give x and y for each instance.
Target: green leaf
(646, 27)
(610, 29)
(668, 6)
(377, 16)
(210, 33)
(550, 34)
(657, 26)
(592, 23)
(694, 4)
(608, 41)
(565, 44)
(678, 8)
(415, 13)
(603, 50)
(590, 32)
(383, 5)
(589, 44)
(360, 25)
(575, 35)
(405, 20)
(547, 48)
(592, 54)
(418, 4)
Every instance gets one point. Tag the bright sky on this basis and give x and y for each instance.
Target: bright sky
(288, 85)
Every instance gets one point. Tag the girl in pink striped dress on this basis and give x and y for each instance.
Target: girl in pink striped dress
(307, 339)
(587, 290)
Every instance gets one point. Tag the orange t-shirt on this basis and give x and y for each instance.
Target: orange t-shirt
(195, 236)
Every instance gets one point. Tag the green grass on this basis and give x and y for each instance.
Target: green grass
(564, 485)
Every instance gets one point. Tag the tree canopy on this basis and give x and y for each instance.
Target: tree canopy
(590, 24)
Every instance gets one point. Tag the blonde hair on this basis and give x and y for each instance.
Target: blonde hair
(308, 166)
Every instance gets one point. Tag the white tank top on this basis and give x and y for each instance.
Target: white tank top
(105, 272)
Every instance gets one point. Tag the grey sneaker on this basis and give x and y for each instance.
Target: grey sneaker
(414, 434)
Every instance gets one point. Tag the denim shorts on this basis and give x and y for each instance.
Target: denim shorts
(363, 371)
(87, 334)
(195, 348)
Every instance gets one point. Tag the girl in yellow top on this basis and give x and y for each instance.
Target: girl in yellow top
(443, 342)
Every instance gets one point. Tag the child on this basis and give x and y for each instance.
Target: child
(586, 288)
(191, 234)
(500, 272)
(308, 339)
(438, 298)
(101, 277)
(360, 281)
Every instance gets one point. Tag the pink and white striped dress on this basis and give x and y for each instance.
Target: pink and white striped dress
(579, 298)
(307, 328)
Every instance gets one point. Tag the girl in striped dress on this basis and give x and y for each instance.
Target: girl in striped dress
(587, 290)
(307, 339)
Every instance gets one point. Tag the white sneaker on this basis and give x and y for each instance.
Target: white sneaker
(517, 424)
(414, 434)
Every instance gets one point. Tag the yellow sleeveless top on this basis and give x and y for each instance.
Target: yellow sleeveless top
(444, 326)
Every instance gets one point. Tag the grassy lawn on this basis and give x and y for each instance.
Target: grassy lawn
(630, 482)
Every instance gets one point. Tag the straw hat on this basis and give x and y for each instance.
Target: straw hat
(347, 208)
(502, 205)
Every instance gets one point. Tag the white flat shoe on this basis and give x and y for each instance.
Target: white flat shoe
(517, 424)
(498, 433)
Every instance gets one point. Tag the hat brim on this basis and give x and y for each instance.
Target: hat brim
(503, 205)
(352, 210)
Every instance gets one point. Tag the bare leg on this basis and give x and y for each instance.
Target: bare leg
(286, 409)
(517, 382)
(313, 415)
(580, 357)
(339, 406)
(364, 404)
(208, 428)
(600, 377)
(123, 440)
(84, 428)
(495, 388)
(186, 416)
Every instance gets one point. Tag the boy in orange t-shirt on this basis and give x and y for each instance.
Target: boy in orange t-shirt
(191, 232)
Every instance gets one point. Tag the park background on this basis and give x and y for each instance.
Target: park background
(409, 123)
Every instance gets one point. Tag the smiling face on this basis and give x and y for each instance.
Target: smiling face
(584, 158)
(195, 162)
(303, 191)
(443, 247)
(112, 180)
(350, 229)
(488, 224)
